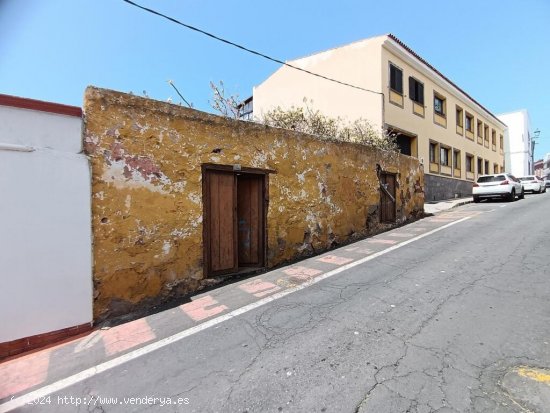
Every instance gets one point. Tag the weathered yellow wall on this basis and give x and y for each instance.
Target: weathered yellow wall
(147, 196)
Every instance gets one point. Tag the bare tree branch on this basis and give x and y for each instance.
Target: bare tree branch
(228, 106)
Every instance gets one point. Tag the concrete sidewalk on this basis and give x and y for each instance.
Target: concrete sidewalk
(104, 348)
(439, 206)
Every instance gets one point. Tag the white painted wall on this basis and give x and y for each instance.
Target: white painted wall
(40, 129)
(518, 149)
(546, 165)
(357, 63)
(45, 230)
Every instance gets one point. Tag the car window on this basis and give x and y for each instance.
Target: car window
(527, 178)
(491, 178)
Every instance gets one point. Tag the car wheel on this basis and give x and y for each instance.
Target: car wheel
(476, 199)
(512, 195)
(522, 195)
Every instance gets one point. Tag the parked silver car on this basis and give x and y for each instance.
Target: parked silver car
(502, 185)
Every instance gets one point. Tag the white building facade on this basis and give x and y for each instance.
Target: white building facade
(45, 230)
(546, 166)
(518, 148)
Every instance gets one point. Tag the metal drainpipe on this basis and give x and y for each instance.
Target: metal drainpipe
(383, 110)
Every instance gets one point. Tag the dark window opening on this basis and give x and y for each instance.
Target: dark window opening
(456, 159)
(444, 156)
(470, 163)
(469, 123)
(433, 148)
(404, 144)
(416, 91)
(439, 105)
(396, 79)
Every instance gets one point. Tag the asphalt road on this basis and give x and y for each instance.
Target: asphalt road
(433, 326)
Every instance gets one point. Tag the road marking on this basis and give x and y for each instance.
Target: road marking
(382, 241)
(126, 336)
(259, 288)
(197, 310)
(134, 354)
(35, 372)
(88, 342)
(335, 259)
(536, 374)
(302, 273)
(417, 229)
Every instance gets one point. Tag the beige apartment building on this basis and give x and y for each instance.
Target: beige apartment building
(453, 135)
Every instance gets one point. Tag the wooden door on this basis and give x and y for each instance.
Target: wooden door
(250, 220)
(387, 197)
(220, 221)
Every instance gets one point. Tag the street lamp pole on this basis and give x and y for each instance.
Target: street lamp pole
(536, 134)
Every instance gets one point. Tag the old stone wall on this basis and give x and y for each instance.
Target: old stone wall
(438, 188)
(147, 201)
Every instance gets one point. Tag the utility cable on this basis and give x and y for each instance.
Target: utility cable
(246, 49)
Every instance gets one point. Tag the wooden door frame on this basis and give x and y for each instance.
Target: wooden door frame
(208, 167)
(383, 189)
(206, 224)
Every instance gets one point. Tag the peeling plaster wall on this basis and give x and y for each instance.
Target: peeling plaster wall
(147, 193)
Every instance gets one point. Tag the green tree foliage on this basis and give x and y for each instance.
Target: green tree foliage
(313, 122)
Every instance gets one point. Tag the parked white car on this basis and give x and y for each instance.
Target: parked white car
(530, 183)
(502, 185)
(547, 181)
(542, 183)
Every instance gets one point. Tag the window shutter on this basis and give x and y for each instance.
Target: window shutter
(396, 79)
(399, 78)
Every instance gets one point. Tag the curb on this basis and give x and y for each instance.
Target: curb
(457, 204)
(462, 203)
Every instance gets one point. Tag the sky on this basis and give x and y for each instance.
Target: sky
(498, 51)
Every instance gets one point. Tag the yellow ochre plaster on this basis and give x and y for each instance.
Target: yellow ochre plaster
(147, 202)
